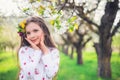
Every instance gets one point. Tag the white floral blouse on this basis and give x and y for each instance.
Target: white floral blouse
(34, 65)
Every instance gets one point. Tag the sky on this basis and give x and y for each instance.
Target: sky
(8, 7)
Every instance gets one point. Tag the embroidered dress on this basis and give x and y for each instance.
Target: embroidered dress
(34, 65)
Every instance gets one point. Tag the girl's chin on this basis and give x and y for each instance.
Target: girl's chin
(36, 42)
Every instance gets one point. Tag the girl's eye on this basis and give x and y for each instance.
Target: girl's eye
(35, 30)
(27, 33)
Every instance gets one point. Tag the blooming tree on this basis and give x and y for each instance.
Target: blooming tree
(65, 15)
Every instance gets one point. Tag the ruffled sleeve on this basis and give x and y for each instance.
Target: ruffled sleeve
(51, 62)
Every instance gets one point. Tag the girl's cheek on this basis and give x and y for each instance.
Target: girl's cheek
(28, 37)
(40, 35)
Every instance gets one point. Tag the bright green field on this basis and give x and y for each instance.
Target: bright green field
(69, 70)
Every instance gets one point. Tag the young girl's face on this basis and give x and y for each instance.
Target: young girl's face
(34, 33)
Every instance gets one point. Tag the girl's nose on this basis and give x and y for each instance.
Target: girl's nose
(32, 35)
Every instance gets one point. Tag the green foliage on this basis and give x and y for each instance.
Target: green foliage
(8, 36)
(25, 9)
(116, 40)
(1, 28)
(32, 1)
(41, 10)
(72, 19)
(69, 70)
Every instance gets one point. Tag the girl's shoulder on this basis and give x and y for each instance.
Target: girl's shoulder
(53, 50)
(24, 48)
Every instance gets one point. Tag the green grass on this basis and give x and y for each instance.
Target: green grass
(69, 70)
(8, 66)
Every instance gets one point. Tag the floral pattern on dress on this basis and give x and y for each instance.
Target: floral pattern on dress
(34, 65)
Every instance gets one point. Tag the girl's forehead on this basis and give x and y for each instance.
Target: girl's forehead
(32, 25)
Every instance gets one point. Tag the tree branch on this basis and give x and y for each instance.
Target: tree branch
(92, 29)
(88, 20)
(64, 39)
(87, 41)
(94, 8)
(77, 30)
(63, 5)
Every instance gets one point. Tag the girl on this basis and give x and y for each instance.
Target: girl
(38, 56)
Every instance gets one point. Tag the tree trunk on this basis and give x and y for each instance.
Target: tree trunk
(104, 56)
(62, 47)
(65, 49)
(79, 56)
(105, 50)
(104, 66)
(72, 51)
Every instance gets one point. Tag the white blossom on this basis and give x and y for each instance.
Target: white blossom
(64, 27)
(46, 14)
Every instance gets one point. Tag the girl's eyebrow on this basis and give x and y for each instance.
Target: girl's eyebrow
(32, 30)
(35, 29)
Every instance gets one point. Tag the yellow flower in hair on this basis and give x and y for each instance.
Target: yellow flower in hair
(22, 24)
(21, 28)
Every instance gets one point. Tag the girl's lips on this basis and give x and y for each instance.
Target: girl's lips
(34, 40)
